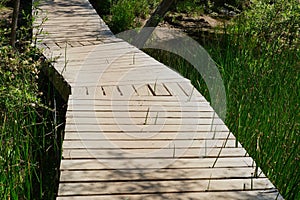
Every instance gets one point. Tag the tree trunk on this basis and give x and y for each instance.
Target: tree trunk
(154, 20)
(15, 23)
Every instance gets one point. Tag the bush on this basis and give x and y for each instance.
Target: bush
(208, 6)
(271, 26)
(123, 16)
(126, 14)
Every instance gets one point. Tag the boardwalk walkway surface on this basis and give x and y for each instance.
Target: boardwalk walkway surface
(135, 129)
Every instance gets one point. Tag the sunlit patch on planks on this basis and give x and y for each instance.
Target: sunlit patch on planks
(140, 131)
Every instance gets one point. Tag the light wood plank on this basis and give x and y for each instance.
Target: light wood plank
(75, 135)
(158, 89)
(153, 153)
(145, 128)
(162, 174)
(224, 195)
(134, 108)
(160, 120)
(121, 164)
(89, 114)
(96, 188)
(154, 144)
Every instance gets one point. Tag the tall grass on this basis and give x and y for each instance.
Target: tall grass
(263, 108)
(260, 69)
(29, 147)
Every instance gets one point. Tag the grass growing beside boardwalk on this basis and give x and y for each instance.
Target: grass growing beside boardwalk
(260, 69)
(20, 134)
(29, 138)
(260, 62)
(262, 109)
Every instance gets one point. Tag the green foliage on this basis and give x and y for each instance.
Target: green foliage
(259, 59)
(18, 104)
(126, 14)
(123, 16)
(26, 131)
(3, 2)
(261, 70)
(271, 27)
(207, 6)
(190, 7)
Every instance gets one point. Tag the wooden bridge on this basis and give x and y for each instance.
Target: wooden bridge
(136, 129)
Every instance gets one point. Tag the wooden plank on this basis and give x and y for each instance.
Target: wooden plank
(165, 102)
(143, 90)
(175, 89)
(158, 89)
(123, 164)
(126, 90)
(133, 99)
(161, 174)
(97, 188)
(148, 144)
(154, 136)
(143, 62)
(160, 120)
(87, 82)
(113, 91)
(146, 127)
(89, 114)
(157, 153)
(224, 195)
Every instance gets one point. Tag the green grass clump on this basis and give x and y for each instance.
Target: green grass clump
(124, 15)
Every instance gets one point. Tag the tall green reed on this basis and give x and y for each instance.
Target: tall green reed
(28, 145)
(260, 71)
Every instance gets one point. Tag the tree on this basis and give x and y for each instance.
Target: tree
(154, 20)
(15, 23)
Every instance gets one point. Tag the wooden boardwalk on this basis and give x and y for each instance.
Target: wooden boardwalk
(135, 129)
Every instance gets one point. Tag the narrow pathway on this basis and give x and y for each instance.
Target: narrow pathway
(136, 129)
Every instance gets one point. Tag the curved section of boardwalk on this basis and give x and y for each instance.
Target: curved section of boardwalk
(135, 129)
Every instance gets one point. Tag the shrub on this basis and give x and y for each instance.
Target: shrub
(270, 25)
(126, 14)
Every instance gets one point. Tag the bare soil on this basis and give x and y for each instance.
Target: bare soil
(203, 28)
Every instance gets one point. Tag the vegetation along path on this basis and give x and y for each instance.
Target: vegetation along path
(136, 129)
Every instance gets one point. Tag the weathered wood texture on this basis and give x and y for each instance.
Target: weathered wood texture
(136, 129)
